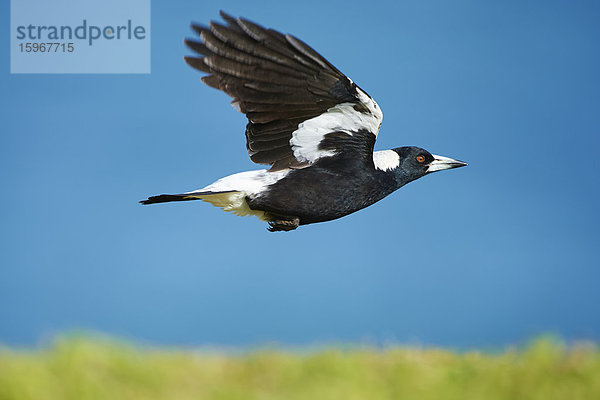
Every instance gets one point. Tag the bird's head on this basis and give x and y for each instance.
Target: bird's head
(415, 162)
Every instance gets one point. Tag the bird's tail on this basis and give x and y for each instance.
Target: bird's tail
(231, 200)
(166, 198)
(229, 193)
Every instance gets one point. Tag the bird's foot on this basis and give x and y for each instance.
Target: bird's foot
(283, 224)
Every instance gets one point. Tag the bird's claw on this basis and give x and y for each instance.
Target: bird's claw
(283, 225)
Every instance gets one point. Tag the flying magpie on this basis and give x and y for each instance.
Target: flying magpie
(307, 120)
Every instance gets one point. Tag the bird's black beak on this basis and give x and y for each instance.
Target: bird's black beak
(440, 163)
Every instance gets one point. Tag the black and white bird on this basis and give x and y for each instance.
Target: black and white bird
(312, 124)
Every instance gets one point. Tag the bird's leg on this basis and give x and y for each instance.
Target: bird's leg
(283, 224)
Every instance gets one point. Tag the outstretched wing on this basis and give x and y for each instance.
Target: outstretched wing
(300, 108)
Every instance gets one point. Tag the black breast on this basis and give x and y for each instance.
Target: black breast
(325, 191)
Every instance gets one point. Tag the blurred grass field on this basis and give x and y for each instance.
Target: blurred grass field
(81, 368)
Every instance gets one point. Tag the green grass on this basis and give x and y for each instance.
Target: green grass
(81, 369)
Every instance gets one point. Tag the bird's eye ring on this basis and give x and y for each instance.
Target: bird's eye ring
(420, 159)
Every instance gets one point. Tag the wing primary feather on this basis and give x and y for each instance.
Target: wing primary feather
(273, 127)
(256, 96)
(199, 28)
(198, 47)
(253, 30)
(277, 43)
(241, 41)
(217, 47)
(268, 87)
(231, 21)
(265, 107)
(197, 63)
(280, 82)
(251, 72)
(262, 117)
(306, 50)
(269, 137)
(266, 157)
(269, 145)
(247, 44)
(212, 81)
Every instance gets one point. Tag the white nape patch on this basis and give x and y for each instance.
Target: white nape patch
(229, 193)
(386, 160)
(339, 118)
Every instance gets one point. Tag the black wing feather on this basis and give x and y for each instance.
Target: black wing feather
(277, 80)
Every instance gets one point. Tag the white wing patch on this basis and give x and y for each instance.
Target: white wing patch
(386, 160)
(306, 139)
(340, 118)
(374, 110)
(229, 193)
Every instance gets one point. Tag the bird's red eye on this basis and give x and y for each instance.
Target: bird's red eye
(421, 159)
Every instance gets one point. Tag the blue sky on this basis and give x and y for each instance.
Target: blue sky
(483, 256)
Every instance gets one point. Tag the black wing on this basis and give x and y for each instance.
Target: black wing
(292, 96)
